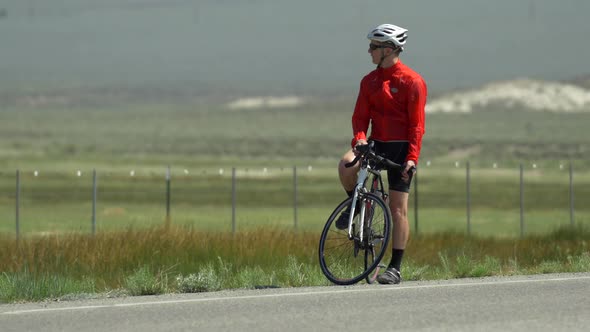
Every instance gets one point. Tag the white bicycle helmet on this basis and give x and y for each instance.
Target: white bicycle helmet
(389, 33)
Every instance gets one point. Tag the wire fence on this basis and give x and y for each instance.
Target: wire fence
(513, 200)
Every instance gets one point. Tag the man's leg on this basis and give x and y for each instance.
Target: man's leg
(348, 176)
(398, 204)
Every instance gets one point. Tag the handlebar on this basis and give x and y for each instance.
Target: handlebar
(366, 151)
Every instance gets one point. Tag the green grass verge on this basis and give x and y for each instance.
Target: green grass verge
(25, 286)
(158, 260)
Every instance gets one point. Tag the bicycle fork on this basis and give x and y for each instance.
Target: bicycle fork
(360, 185)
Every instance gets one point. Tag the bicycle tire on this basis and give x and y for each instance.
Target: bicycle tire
(369, 259)
(351, 270)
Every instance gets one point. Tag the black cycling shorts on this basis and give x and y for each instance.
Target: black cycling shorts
(395, 151)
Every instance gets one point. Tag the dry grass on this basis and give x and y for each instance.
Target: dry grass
(271, 257)
(109, 257)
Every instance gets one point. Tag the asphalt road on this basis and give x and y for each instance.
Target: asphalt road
(527, 303)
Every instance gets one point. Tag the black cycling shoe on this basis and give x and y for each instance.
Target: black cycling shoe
(390, 276)
(342, 221)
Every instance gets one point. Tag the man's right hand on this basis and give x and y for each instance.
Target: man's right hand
(359, 142)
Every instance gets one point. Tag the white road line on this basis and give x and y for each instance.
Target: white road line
(335, 291)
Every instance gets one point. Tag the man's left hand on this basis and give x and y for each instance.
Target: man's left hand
(410, 167)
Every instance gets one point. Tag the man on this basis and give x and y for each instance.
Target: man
(392, 99)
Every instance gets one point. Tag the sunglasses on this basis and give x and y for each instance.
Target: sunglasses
(373, 47)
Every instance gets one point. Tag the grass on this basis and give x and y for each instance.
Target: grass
(26, 286)
(159, 260)
(143, 281)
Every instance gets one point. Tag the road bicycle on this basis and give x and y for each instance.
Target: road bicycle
(354, 253)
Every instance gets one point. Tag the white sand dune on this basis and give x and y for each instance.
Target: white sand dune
(521, 94)
(517, 94)
(265, 102)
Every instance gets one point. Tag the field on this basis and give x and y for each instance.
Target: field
(61, 202)
(130, 147)
(194, 136)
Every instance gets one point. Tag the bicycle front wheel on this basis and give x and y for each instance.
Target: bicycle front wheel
(343, 260)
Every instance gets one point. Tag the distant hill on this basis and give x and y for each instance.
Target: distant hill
(521, 94)
(582, 81)
(568, 96)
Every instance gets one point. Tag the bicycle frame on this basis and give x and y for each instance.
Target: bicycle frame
(360, 186)
(363, 175)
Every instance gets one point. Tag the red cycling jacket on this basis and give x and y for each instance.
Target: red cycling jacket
(392, 100)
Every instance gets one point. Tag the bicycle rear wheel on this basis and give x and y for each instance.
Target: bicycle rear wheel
(370, 256)
(343, 260)
(381, 266)
(369, 259)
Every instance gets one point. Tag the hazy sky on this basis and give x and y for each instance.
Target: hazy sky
(284, 47)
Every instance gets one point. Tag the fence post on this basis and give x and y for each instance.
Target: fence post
(416, 202)
(168, 194)
(468, 184)
(521, 200)
(295, 196)
(233, 200)
(17, 205)
(94, 182)
(572, 220)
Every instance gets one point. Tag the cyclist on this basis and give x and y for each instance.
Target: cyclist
(392, 99)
